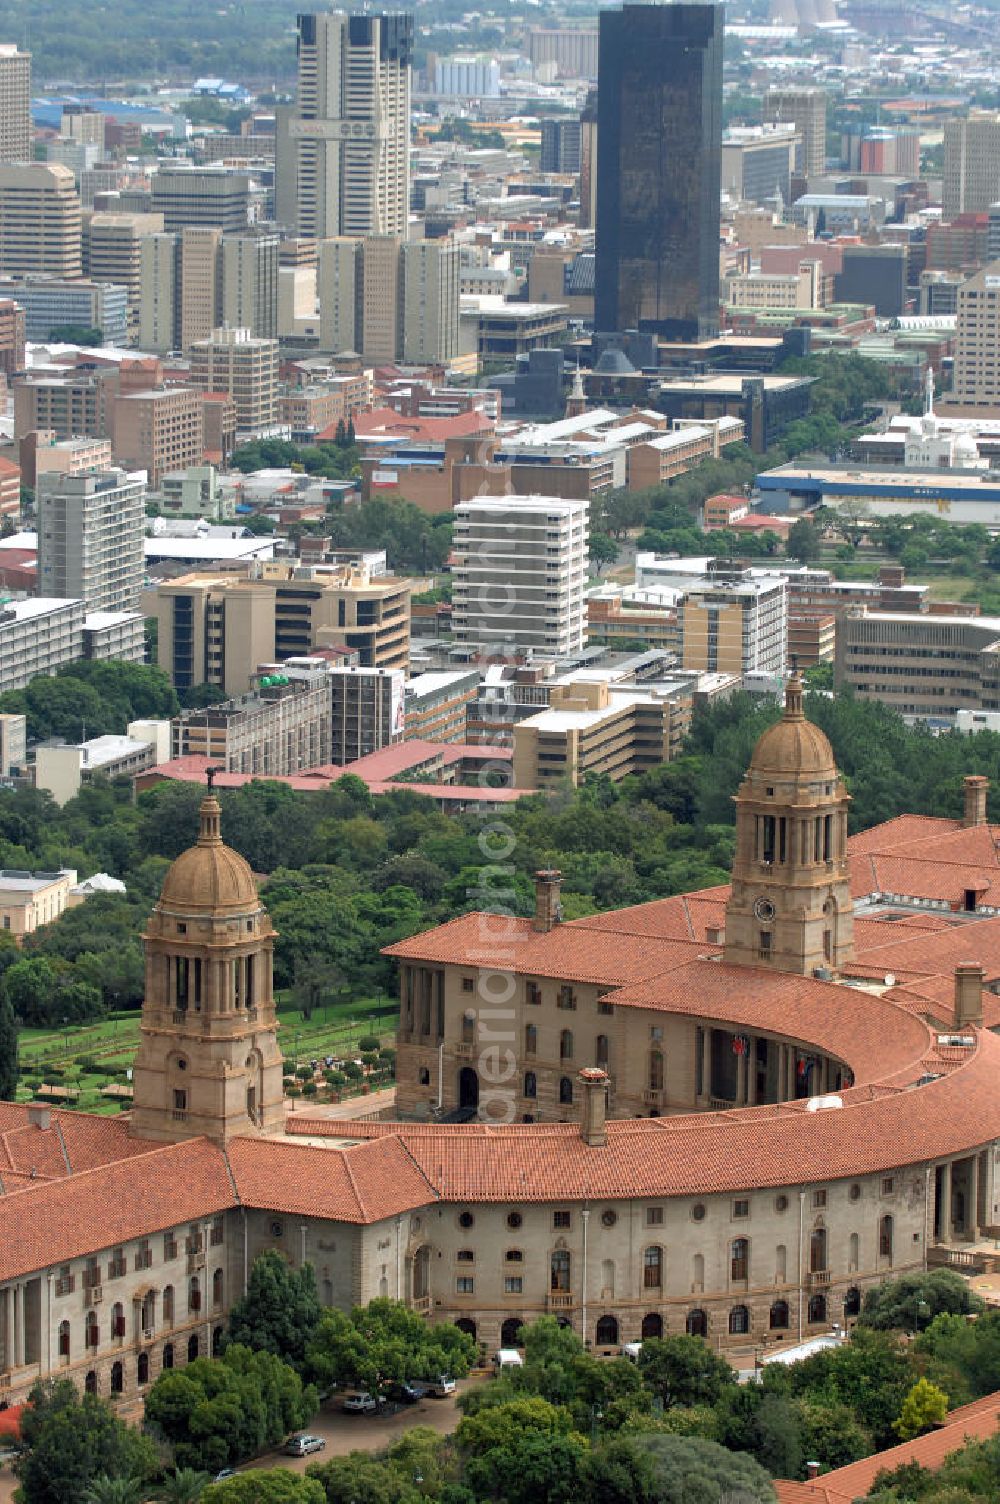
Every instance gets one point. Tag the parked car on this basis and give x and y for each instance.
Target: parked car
(441, 1386)
(301, 1446)
(408, 1392)
(360, 1403)
(507, 1357)
(227, 1472)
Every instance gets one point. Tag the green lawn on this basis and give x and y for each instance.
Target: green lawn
(90, 1057)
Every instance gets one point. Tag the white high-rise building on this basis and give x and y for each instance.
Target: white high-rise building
(16, 133)
(520, 574)
(343, 149)
(90, 532)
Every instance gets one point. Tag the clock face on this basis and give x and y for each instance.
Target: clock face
(763, 908)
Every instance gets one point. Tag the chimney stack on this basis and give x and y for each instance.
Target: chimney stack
(975, 788)
(593, 1128)
(969, 977)
(39, 1114)
(812, 1469)
(548, 909)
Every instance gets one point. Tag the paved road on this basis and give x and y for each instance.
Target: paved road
(353, 1107)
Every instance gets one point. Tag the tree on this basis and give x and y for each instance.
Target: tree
(684, 1370)
(69, 1442)
(924, 1407)
(384, 1342)
(603, 550)
(8, 1049)
(270, 1486)
(279, 1312)
(497, 1427)
(76, 334)
(687, 1470)
(218, 1411)
(185, 1486)
(803, 541)
(914, 1300)
(105, 1490)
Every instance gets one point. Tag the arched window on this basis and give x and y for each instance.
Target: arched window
(530, 1084)
(739, 1259)
(468, 1028)
(817, 1308)
(510, 1331)
(885, 1237)
(168, 1305)
(142, 1369)
(696, 1324)
(652, 1326)
(64, 1339)
(217, 1288)
(853, 1252)
(739, 1321)
(530, 1039)
(656, 1070)
(91, 1333)
(817, 1250)
(780, 1264)
(779, 1316)
(117, 1378)
(559, 1271)
(566, 1045)
(606, 1332)
(118, 1320)
(652, 1268)
(425, 1076)
(194, 1347)
(90, 1382)
(168, 1355)
(601, 1051)
(852, 1302)
(565, 1089)
(217, 1341)
(194, 1294)
(697, 1273)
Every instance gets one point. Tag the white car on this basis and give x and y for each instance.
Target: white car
(301, 1446)
(360, 1403)
(441, 1386)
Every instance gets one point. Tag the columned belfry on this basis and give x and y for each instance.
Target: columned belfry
(208, 1060)
(790, 906)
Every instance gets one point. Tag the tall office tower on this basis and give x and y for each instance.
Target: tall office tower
(359, 284)
(560, 146)
(90, 530)
(976, 381)
(971, 177)
(588, 162)
(232, 361)
(39, 219)
(806, 110)
(993, 241)
(159, 293)
(250, 283)
(431, 301)
(200, 283)
(343, 150)
(519, 574)
(339, 284)
(15, 104)
(201, 196)
(112, 252)
(659, 116)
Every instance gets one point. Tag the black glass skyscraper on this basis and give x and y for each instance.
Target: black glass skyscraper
(659, 142)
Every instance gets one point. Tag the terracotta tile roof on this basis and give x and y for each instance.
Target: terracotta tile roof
(935, 952)
(363, 1183)
(975, 1422)
(706, 1152)
(892, 834)
(74, 1141)
(70, 1218)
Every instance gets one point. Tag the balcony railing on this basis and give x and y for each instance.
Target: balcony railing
(560, 1300)
(818, 1279)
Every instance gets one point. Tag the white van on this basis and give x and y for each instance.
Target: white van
(507, 1357)
(631, 1350)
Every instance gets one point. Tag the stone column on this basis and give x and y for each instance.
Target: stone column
(752, 1073)
(972, 1218)
(741, 1079)
(944, 1204)
(706, 1062)
(18, 1326)
(782, 1086)
(8, 1328)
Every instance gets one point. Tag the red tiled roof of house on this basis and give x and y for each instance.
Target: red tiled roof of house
(385, 422)
(975, 1422)
(362, 1183)
(72, 1142)
(99, 1208)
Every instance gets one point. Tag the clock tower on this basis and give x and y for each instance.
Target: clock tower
(790, 906)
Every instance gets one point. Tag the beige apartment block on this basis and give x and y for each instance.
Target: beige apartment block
(218, 628)
(112, 252)
(976, 381)
(200, 282)
(40, 223)
(16, 132)
(590, 729)
(431, 301)
(380, 337)
(805, 109)
(159, 430)
(250, 283)
(971, 177)
(233, 361)
(159, 293)
(734, 623)
(90, 532)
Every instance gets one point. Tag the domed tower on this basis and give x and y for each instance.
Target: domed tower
(790, 906)
(208, 1060)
